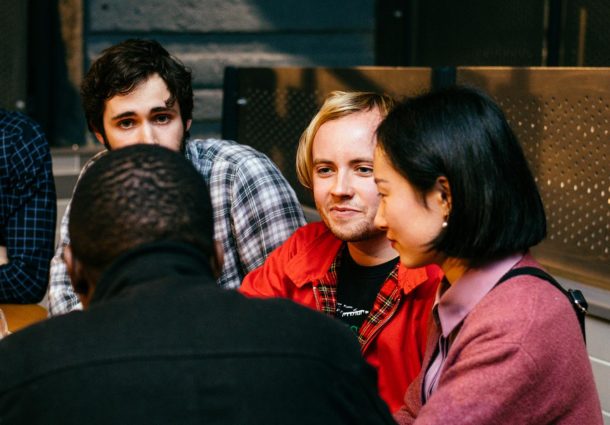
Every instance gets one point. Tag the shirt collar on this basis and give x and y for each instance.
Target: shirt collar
(151, 262)
(454, 302)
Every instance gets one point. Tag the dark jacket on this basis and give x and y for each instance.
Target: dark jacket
(162, 344)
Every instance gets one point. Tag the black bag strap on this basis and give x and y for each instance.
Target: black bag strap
(576, 298)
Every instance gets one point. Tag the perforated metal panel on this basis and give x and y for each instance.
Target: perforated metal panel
(274, 123)
(561, 117)
(276, 104)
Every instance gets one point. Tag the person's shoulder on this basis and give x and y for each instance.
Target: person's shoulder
(22, 129)
(16, 121)
(306, 243)
(90, 162)
(221, 147)
(227, 151)
(95, 158)
(301, 328)
(39, 350)
(316, 232)
(313, 230)
(274, 326)
(531, 291)
(24, 152)
(311, 344)
(528, 308)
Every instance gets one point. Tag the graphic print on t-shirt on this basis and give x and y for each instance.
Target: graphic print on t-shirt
(353, 316)
(357, 289)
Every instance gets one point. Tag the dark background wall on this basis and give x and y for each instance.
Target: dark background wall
(64, 36)
(484, 32)
(48, 44)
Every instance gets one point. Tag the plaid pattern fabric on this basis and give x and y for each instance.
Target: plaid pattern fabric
(255, 211)
(62, 297)
(28, 208)
(326, 288)
(386, 302)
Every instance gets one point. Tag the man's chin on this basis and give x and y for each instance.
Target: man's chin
(353, 233)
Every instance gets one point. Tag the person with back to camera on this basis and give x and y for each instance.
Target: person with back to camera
(158, 341)
(456, 191)
(136, 92)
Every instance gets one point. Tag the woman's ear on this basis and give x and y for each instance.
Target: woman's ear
(444, 191)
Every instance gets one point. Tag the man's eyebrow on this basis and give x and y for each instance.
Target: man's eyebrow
(352, 162)
(162, 109)
(123, 115)
(128, 114)
(359, 160)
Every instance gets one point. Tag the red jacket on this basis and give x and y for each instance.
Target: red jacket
(392, 337)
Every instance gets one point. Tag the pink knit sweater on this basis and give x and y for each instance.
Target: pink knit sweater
(519, 358)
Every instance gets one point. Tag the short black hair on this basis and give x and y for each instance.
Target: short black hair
(461, 134)
(137, 195)
(121, 67)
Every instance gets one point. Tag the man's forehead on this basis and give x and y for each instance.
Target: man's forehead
(148, 96)
(353, 141)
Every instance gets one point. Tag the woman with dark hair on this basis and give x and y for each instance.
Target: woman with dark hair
(456, 191)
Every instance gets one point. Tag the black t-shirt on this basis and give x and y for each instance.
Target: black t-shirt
(357, 288)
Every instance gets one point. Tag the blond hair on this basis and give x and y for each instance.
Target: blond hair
(337, 105)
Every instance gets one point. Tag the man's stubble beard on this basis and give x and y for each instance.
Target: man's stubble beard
(182, 149)
(352, 232)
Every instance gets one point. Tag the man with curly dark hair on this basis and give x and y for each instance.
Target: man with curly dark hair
(136, 92)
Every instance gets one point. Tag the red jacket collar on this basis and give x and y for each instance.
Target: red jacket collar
(314, 258)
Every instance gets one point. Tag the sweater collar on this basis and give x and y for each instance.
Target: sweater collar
(151, 262)
(454, 302)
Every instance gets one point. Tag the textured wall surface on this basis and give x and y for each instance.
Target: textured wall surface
(211, 34)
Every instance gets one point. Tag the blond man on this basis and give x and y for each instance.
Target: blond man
(344, 266)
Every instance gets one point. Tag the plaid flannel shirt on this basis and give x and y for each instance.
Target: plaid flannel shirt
(27, 208)
(255, 211)
(386, 302)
